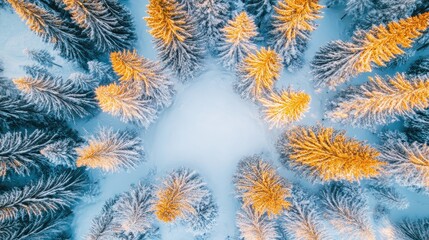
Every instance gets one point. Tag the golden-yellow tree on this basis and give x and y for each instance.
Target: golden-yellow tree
(380, 101)
(258, 73)
(260, 186)
(179, 45)
(338, 61)
(292, 23)
(284, 107)
(145, 73)
(237, 37)
(178, 195)
(326, 154)
(111, 150)
(126, 101)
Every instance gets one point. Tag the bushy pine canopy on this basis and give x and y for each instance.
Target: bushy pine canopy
(326, 154)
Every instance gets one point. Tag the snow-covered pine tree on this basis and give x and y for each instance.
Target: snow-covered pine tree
(412, 229)
(212, 16)
(255, 226)
(380, 101)
(325, 154)
(419, 68)
(303, 220)
(179, 195)
(51, 28)
(259, 185)
(203, 221)
(286, 106)
(48, 195)
(357, 9)
(417, 126)
(408, 163)
(134, 212)
(338, 61)
(180, 46)
(43, 227)
(261, 10)
(237, 40)
(111, 150)
(258, 73)
(145, 73)
(292, 23)
(20, 151)
(61, 153)
(104, 226)
(126, 101)
(35, 70)
(14, 111)
(346, 209)
(83, 81)
(387, 195)
(42, 57)
(101, 24)
(101, 71)
(56, 97)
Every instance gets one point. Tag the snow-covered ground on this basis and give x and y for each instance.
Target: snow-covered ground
(208, 128)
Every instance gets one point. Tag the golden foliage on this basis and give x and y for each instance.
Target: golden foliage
(240, 29)
(285, 107)
(262, 188)
(261, 70)
(24, 84)
(296, 16)
(383, 43)
(94, 156)
(131, 67)
(378, 100)
(330, 155)
(167, 20)
(78, 11)
(32, 14)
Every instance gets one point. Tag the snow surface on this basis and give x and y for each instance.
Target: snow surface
(208, 128)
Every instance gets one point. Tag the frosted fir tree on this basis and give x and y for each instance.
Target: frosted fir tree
(409, 229)
(56, 97)
(237, 40)
(83, 81)
(47, 195)
(20, 152)
(408, 163)
(61, 153)
(255, 226)
(180, 46)
(258, 73)
(42, 57)
(205, 218)
(258, 185)
(148, 75)
(284, 107)
(51, 27)
(325, 154)
(417, 126)
(292, 22)
(419, 68)
(15, 112)
(102, 72)
(211, 17)
(261, 10)
(134, 212)
(127, 102)
(43, 227)
(101, 24)
(338, 61)
(358, 8)
(104, 226)
(346, 209)
(380, 101)
(179, 195)
(304, 220)
(111, 150)
(36, 70)
(387, 195)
